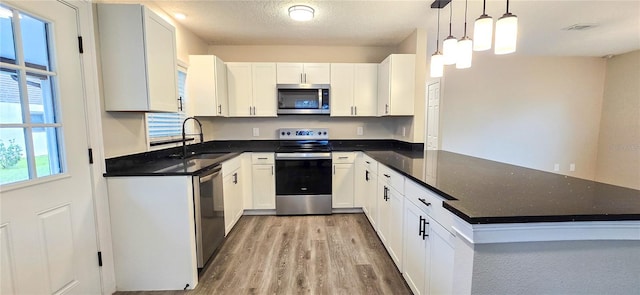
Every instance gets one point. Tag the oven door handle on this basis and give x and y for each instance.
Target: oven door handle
(303, 156)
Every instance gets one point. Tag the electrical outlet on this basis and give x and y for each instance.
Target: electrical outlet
(556, 167)
(404, 131)
(256, 131)
(572, 167)
(360, 130)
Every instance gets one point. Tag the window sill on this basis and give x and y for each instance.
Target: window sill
(169, 141)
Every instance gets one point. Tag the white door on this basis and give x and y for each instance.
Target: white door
(433, 115)
(47, 226)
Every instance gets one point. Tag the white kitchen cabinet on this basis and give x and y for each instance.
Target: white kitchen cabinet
(303, 73)
(390, 214)
(207, 86)
(342, 191)
(441, 260)
(416, 248)
(354, 89)
(264, 181)
(138, 54)
(252, 89)
(396, 85)
(232, 191)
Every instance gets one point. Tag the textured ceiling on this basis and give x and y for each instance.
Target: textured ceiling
(385, 23)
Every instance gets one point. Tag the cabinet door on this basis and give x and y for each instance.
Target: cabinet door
(384, 211)
(365, 85)
(372, 199)
(342, 185)
(264, 187)
(222, 97)
(402, 83)
(162, 73)
(317, 73)
(228, 191)
(289, 73)
(415, 248)
(383, 87)
(239, 81)
(441, 259)
(342, 91)
(360, 185)
(202, 91)
(265, 99)
(394, 235)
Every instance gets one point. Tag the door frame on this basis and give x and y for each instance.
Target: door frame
(93, 113)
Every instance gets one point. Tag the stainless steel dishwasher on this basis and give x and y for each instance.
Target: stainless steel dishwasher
(209, 213)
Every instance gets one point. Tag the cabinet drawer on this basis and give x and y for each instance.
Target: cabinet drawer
(262, 158)
(342, 157)
(392, 178)
(370, 164)
(414, 192)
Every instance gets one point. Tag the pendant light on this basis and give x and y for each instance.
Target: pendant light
(437, 60)
(483, 30)
(465, 46)
(506, 33)
(450, 44)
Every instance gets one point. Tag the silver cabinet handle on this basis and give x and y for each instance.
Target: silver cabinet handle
(235, 178)
(305, 77)
(386, 108)
(262, 158)
(355, 110)
(254, 111)
(343, 157)
(334, 169)
(271, 169)
(387, 175)
(301, 81)
(250, 112)
(351, 110)
(219, 109)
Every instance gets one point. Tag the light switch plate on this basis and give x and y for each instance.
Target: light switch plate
(256, 131)
(556, 167)
(572, 167)
(360, 130)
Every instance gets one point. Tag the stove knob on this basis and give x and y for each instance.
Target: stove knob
(288, 133)
(282, 133)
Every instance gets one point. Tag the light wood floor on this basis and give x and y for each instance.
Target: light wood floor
(332, 254)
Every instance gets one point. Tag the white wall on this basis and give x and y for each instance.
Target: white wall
(291, 53)
(339, 128)
(619, 142)
(527, 111)
(125, 132)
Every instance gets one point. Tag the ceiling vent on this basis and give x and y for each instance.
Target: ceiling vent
(580, 27)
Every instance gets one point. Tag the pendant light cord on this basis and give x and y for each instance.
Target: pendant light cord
(438, 34)
(465, 18)
(507, 6)
(484, 7)
(451, 15)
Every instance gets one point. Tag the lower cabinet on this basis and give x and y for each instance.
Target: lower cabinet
(390, 212)
(263, 182)
(429, 253)
(233, 194)
(342, 182)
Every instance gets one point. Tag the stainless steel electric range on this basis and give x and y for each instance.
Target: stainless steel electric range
(303, 172)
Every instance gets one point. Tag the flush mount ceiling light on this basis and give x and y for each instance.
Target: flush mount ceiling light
(465, 46)
(301, 13)
(483, 30)
(450, 44)
(180, 16)
(506, 33)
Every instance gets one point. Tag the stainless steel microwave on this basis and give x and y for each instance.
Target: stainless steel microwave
(303, 98)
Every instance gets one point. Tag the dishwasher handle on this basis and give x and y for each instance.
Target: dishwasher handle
(210, 174)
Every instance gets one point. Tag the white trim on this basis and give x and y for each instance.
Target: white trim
(32, 182)
(547, 231)
(94, 128)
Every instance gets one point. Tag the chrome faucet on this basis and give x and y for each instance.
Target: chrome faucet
(184, 135)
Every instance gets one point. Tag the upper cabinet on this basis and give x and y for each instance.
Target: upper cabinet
(207, 86)
(138, 53)
(303, 73)
(354, 89)
(396, 85)
(252, 89)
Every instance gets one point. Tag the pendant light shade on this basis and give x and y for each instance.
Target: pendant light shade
(465, 46)
(483, 31)
(450, 44)
(506, 33)
(465, 53)
(437, 65)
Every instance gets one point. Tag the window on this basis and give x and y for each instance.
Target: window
(29, 123)
(163, 126)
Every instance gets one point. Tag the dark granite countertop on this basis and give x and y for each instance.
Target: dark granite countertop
(477, 190)
(484, 191)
